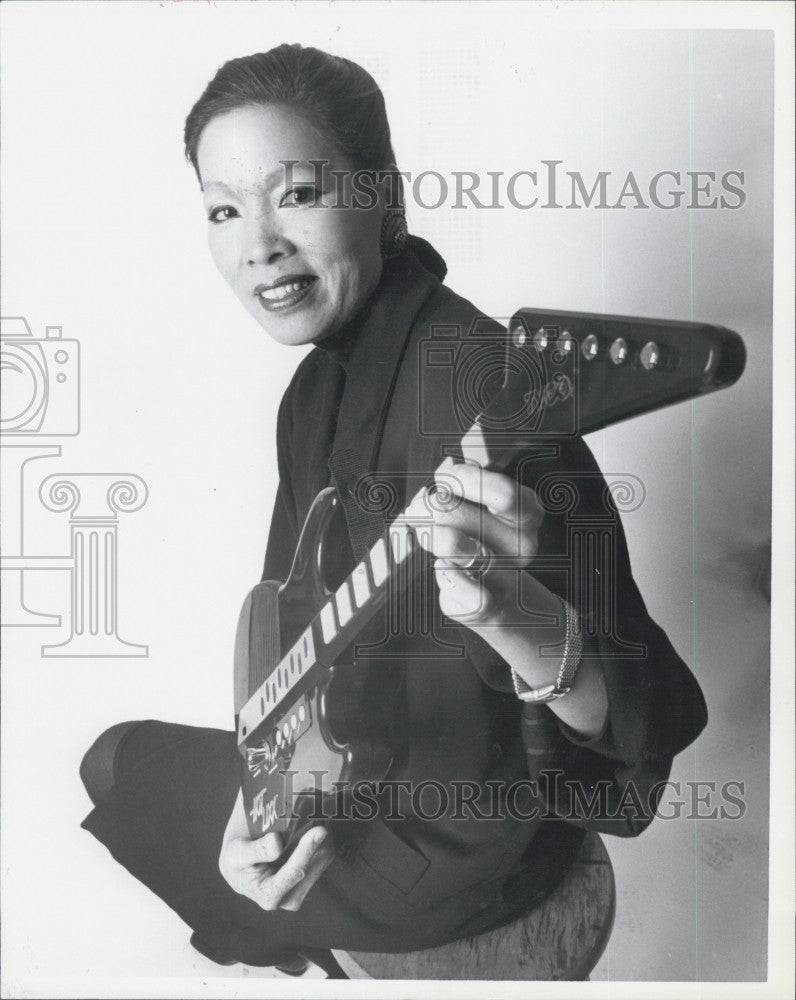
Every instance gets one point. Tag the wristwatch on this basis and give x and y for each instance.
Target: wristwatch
(573, 649)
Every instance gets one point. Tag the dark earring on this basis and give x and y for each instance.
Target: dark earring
(394, 233)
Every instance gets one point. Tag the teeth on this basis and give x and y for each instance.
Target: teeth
(283, 291)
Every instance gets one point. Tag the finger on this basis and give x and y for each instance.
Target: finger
(272, 888)
(241, 852)
(457, 533)
(500, 494)
(276, 886)
(308, 846)
(462, 514)
(316, 868)
(467, 600)
(453, 546)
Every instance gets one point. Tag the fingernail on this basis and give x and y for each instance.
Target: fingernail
(319, 836)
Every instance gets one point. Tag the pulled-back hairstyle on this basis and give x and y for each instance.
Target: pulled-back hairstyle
(335, 95)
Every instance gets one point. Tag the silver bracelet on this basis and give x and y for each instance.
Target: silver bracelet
(573, 651)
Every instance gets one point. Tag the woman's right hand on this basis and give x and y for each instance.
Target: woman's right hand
(247, 865)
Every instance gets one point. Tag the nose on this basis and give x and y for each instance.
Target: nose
(266, 241)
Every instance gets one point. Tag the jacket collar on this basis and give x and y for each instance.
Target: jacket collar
(371, 351)
(418, 261)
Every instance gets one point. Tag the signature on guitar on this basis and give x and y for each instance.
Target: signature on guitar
(263, 810)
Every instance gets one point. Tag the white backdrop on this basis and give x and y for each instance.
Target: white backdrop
(103, 234)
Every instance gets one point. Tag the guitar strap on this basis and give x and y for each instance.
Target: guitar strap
(365, 525)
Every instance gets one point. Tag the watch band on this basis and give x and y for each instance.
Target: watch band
(573, 650)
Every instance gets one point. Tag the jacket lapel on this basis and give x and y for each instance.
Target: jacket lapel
(371, 372)
(376, 356)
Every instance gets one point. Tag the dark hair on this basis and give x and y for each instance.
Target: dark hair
(337, 96)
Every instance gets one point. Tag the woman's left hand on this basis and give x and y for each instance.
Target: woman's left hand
(482, 527)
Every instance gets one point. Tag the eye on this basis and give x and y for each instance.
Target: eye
(302, 196)
(221, 214)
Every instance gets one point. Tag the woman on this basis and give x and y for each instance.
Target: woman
(293, 154)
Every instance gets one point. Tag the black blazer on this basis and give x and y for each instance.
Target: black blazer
(361, 405)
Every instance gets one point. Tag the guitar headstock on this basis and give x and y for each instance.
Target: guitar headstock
(568, 374)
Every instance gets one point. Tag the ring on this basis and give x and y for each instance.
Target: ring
(478, 564)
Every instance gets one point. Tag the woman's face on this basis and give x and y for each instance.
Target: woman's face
(295, 248)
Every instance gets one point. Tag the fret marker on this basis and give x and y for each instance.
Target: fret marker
(342, 599)
(361, 586)
(328, 626)
(378, 562)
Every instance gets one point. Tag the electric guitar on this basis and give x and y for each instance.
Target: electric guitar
(306, 721)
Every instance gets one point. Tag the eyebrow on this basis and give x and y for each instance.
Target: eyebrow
(216, 184)
(275, 174)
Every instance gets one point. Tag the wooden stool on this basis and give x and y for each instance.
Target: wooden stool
(563, 938)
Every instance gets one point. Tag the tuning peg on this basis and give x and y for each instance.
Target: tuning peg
(518, 333)
(650, 355)
(540, 339)
(618, 351)
(590, 347)
(566, 342)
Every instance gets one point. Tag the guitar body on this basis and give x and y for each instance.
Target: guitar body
(339, 725)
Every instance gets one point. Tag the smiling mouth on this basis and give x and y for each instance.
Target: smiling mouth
(284, 294)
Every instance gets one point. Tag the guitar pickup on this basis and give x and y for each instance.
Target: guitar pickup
(277, 686)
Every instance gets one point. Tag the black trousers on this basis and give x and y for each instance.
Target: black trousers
(164, 818)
